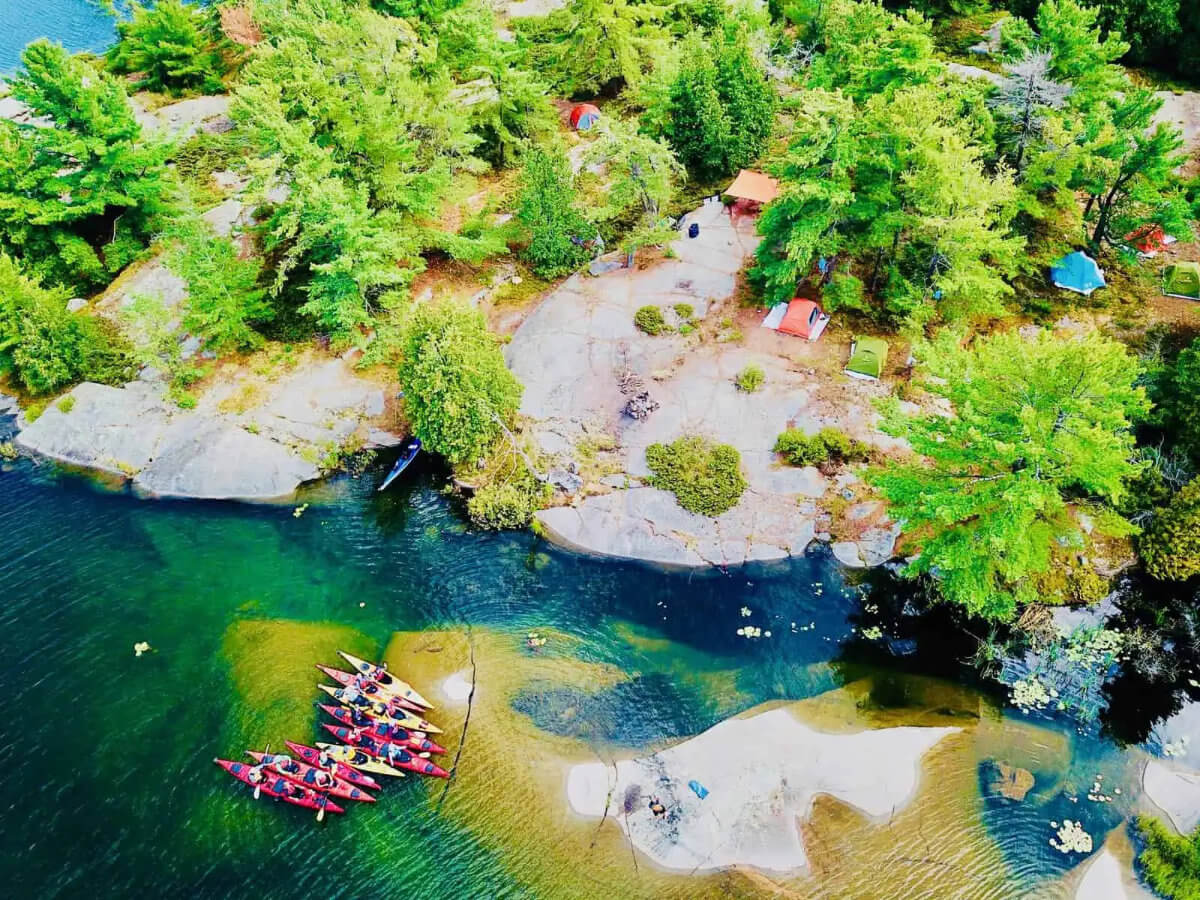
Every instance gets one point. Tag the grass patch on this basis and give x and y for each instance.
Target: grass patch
(706, 478)
(750, 379)
(66, 404)
(1169, 862)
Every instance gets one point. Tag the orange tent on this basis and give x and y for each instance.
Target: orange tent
(753, 186)
(804, 318)
(1149, 239)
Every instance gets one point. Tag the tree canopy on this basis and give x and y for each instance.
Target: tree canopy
(81, 188)
(1039, 428)
(458, 394)
(175, 46)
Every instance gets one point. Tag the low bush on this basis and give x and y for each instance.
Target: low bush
(750, 379)
(508, 504)
(650, 320)
(705, 478)
(66, 404)
(685, 311)
(1170, 546)
(826, 446)
(1169, 862)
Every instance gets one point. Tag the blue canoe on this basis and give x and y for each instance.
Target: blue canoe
(411, 448)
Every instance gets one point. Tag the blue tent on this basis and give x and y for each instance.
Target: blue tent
(1077, 272)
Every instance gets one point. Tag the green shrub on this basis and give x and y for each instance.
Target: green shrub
(34, 411)
(458, 393)
(685, 311)
(750, 379)
(705, 478)
(1169, 862)
(176, 46)
(650, 320)
(66, 404)
(510, 504)
(1170, 547)
(826, 446)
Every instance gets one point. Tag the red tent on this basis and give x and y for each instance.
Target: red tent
(584, 116)
(804, 318)
(1149, 239)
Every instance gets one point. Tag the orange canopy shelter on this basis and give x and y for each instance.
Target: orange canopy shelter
(753, 186)
(804, 318)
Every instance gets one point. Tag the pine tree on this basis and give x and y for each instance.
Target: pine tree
(1038, 426)
(547, 208)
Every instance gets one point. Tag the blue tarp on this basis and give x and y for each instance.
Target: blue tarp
(1077, 272)
(701, 790)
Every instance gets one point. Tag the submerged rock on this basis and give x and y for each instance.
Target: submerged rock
(752, 802)
(1174, 790)
(1008, 781)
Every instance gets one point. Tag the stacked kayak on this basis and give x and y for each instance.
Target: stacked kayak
(381, 730)
(278, 787)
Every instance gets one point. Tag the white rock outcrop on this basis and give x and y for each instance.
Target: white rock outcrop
(761, 774)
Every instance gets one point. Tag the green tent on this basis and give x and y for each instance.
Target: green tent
(1182, 279)
(867, 357)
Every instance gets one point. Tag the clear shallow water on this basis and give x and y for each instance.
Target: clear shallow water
(105, 759)
(76, 24)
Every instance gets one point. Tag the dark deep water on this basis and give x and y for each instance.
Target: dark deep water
(105, 758)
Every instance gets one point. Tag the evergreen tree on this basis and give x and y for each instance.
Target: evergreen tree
(80, 190)
(458, 394)
(177, 46)
(547, 208)
(47, 346)
(1038, 426)
(698, 128)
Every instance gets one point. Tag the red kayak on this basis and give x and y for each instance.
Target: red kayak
(372, 689)
(312, 756)
(402, 758)
(384, 731)
(280, 788)
(306, 776)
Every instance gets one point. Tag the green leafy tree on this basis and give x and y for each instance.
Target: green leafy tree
(177, 46)
(355, 114)
(458, 394)
(547, 208)
(643, 170)
(1038, 425)
(1129, 172)
(720, 110)
(1170, 548)
(1176, 395)
(225, 298)
(80, 191)
(589, 44)
(49, 347)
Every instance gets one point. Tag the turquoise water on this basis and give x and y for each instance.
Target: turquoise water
(76, 24)
(105, 759)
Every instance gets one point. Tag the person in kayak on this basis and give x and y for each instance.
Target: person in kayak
(256, 774)
(323, 780)
(286, 764)
(325, 761)
(351, 696)
(393, 753)
(366, 684)
(381, 708)
(360, 718)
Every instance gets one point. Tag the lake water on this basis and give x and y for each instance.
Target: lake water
(76, 24)
(105, 758)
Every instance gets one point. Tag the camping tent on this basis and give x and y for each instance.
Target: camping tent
(584, 116)
(804, 318)
(1149, 239)
(1077, 272)
(1182, 279)
(867, 357)
(753, 186)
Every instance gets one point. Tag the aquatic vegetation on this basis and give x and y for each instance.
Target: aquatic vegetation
(271, 666)
(1067, 672)
(1071, 838)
